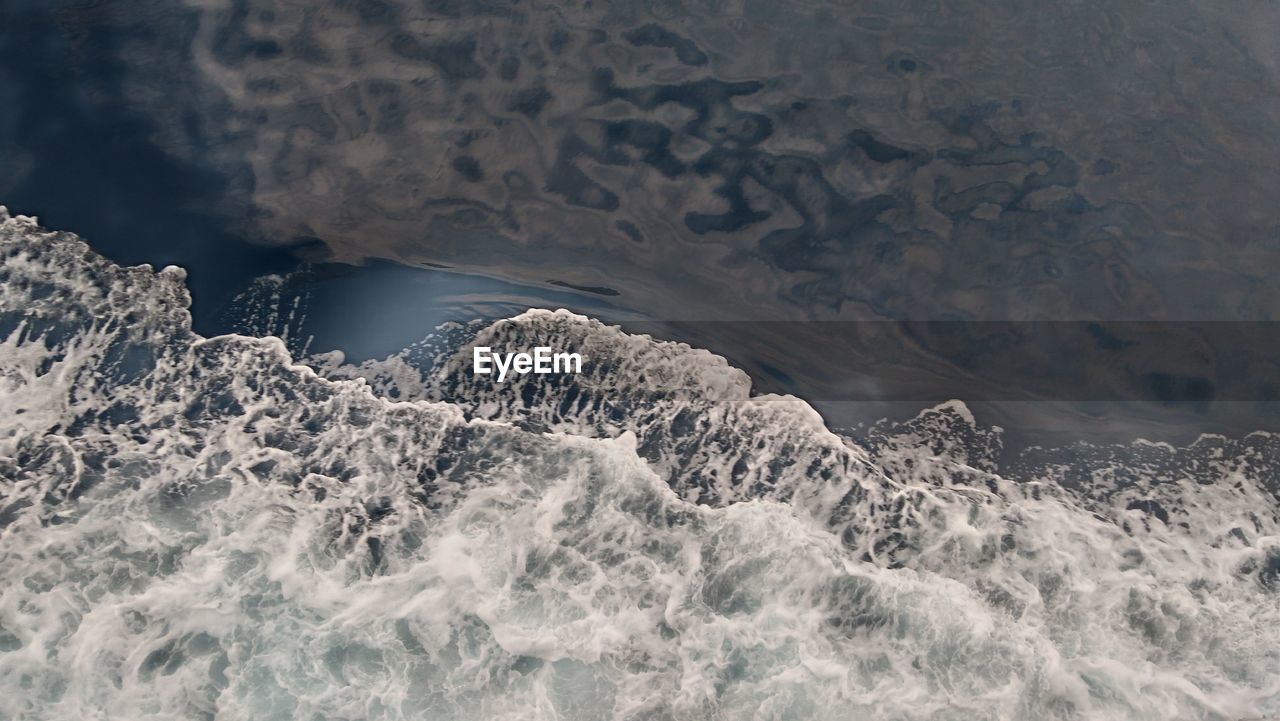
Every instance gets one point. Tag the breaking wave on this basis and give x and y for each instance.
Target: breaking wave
(206, 528)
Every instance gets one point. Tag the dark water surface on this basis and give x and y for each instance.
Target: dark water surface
(80, 158)
(140, 153)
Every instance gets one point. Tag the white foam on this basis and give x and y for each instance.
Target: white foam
(202, 528)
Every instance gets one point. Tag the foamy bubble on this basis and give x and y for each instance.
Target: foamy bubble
(205, 528)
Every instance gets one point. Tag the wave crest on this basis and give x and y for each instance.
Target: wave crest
(203, 527)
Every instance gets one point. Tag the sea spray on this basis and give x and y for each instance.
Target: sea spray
(200, 528)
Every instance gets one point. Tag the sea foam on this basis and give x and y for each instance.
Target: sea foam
(204, 528)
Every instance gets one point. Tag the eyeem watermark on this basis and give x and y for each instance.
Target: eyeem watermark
(542, 360)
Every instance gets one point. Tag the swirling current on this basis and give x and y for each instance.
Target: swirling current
(200, 528)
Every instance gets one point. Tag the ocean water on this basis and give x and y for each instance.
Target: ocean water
(236, 139)
(198, 528)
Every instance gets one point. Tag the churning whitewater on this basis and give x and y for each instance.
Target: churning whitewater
(198, 528)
